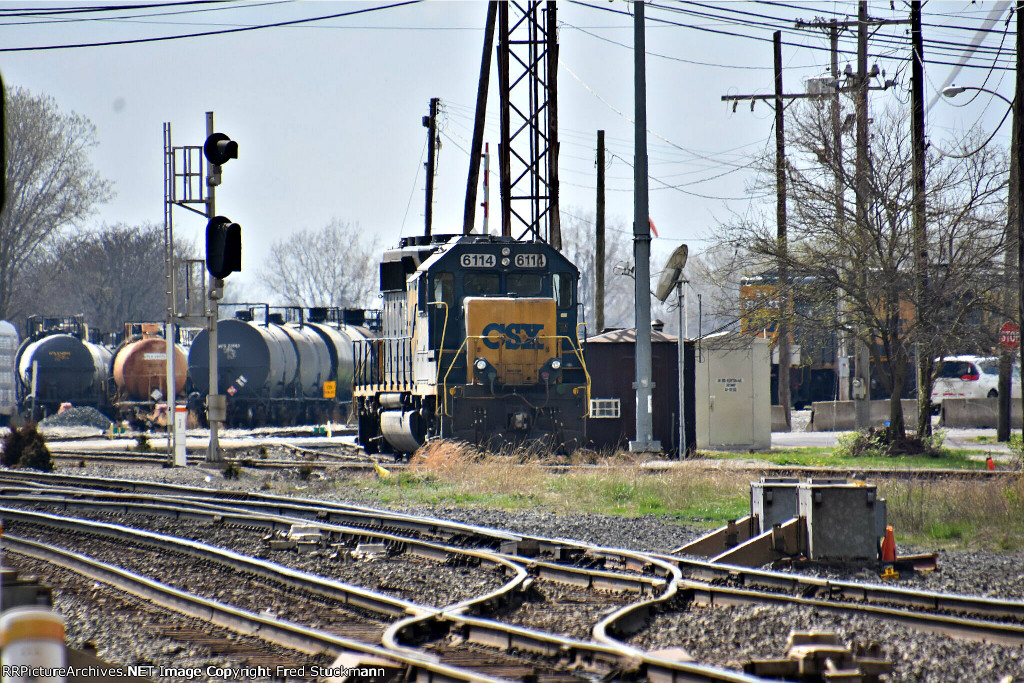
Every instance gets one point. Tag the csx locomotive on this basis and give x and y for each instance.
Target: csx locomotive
(479, 343)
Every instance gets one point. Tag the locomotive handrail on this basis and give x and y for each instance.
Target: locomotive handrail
(574, 347)
(440, 348)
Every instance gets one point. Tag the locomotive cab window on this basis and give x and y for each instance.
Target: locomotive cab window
(444, 288)
(563, 290)
(525, 284)
(481, 284)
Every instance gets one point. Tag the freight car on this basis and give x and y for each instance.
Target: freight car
(275, 372)
(62, 361)
(8, 383)
(140, 375)
(479, 343)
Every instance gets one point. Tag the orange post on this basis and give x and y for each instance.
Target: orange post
(888, 547)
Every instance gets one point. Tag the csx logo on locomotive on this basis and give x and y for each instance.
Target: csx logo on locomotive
(513, 335)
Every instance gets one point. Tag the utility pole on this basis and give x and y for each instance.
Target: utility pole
(862, 378)
(1017, 139)
(917, 130)
(599, 239)
(782, 286)
(1010, 263)
(860, 87)
(469, 217)
(842, 352)
(430, 123)
(644, 385)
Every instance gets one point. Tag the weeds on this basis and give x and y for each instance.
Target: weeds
(305, 472)
(985, 514)
(25, 447)
(879, 443)
(231, 471)
(142, 444)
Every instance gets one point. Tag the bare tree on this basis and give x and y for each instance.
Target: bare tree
(51, 186)
(578, 247)
(857, 278)
(333, 266)
(111, 276)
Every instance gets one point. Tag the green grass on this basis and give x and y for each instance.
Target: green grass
(824, 457)
(931, 515)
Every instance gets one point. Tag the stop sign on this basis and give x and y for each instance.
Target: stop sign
(1009, 336)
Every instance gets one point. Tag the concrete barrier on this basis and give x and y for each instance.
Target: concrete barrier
(979, 413)
(779, 420)
(840, 416)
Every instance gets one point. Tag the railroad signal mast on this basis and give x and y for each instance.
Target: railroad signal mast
(188, 184)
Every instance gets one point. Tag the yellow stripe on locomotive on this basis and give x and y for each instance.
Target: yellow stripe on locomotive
(515, 335)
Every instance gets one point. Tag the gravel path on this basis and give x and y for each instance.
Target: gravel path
(728, 637)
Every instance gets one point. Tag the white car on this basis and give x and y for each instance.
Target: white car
(971, 377)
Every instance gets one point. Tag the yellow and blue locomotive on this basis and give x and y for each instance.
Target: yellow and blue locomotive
(478, 342)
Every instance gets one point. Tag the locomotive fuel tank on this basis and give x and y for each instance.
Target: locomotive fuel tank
(69, 369)
(140, 367)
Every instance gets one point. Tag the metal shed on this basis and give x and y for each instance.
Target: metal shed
(612, 365)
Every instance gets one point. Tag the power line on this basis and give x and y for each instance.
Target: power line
(134, 41)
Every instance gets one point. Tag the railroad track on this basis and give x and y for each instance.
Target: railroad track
(353, 461)
(660, 582)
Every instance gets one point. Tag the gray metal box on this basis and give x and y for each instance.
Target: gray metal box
(773, 500)
(844, 521)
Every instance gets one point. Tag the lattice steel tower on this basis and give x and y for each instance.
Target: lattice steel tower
(528, 156)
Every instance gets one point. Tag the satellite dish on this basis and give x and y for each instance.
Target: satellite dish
(670, 276)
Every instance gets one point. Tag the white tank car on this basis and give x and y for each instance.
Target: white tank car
(9, 342)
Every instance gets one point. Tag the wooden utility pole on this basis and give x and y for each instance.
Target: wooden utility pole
(782, 286)
(469, 214)
(430, 123)
(599, 239)
(860, 88)
(921, 296)
(862, 376)
(1016, 141)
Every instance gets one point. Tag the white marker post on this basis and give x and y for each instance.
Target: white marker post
(180, 423)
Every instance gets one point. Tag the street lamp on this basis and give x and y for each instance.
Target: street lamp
(952, 91)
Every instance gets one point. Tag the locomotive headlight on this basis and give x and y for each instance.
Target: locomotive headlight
(556, 364)
(480, 364)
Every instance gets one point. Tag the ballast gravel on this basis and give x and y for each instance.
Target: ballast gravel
(404, 576)
(729, 636)
(717, 635)
(78, 416)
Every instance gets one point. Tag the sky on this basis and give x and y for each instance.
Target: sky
(327, 114)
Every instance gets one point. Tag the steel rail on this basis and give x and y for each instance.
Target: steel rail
(109, 458)
(604, 656)
(812, 586)
(287, 634)
(337, 590)
(567, 652)
(956, 627)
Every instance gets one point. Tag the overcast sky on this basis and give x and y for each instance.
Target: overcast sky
(327, 114)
